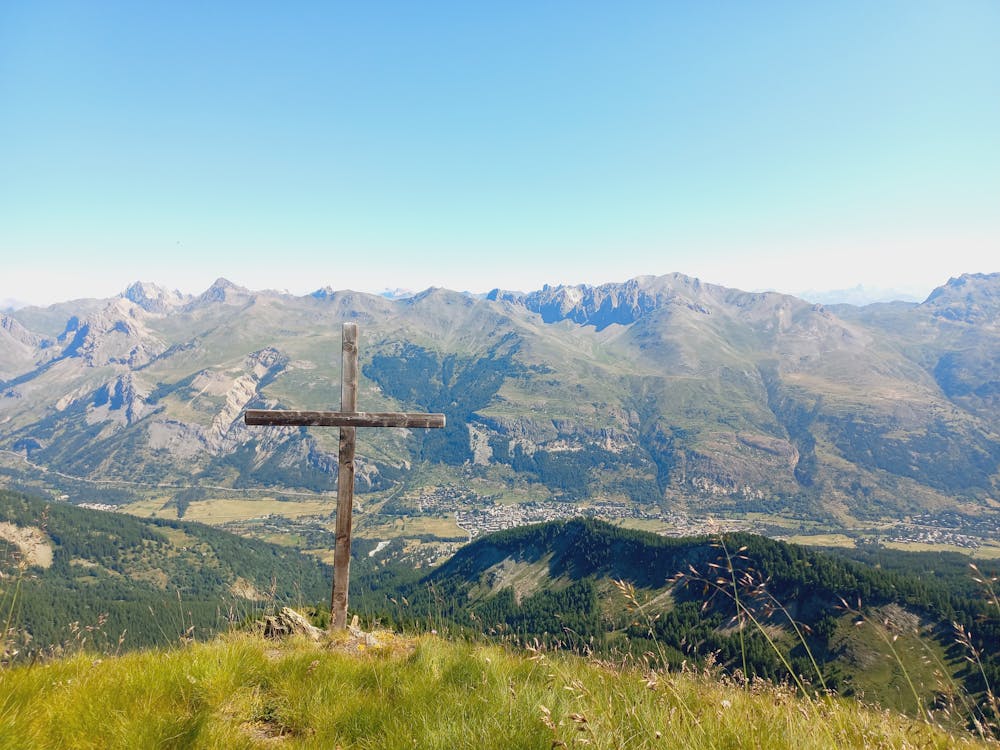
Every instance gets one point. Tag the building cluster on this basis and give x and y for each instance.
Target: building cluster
(448, 498)
(477, 515)
(931, 535)
(946, 528)
(487, 519)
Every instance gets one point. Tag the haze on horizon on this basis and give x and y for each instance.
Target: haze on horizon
(774, 146)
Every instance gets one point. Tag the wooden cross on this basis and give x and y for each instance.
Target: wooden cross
(347, 419)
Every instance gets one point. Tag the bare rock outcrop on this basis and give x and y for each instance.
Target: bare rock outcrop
(154, 298)
(116, 335)
(122, 399)
(287, 623)
(20, 349)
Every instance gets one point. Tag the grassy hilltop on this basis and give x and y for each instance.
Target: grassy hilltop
(78, 579)
(241, 691)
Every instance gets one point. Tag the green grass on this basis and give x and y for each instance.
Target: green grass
(242, 692)
(891, 658)
(821, 540)
(220, 510)
(988, 551)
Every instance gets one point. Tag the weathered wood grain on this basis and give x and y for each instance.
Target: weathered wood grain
(345, 481)
(294, 418)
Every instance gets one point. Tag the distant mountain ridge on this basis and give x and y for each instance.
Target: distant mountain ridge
(660, 391)
(860, 296)
(604, 305)
(154, 298)
(972, 298)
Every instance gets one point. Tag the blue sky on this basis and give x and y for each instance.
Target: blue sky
(471, 145)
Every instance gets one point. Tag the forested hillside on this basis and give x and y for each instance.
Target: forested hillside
(772, 609)
(79, 573)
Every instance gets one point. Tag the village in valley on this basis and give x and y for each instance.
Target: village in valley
(459, 515)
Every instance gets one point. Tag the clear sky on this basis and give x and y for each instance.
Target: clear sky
(365, 145)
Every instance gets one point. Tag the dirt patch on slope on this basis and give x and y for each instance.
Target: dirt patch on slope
(32, 543)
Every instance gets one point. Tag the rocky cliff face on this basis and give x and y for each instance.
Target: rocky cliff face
(153, 298)
(609, 304)
(122, 400)
(20, 349)
(14, 332)
(116, 335)
(971, 298)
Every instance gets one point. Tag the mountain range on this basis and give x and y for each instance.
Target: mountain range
(659, 392)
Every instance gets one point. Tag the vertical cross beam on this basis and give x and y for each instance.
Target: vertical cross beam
(348, 419)
(345, 479)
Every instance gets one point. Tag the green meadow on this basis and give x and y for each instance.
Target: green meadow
(241, 691)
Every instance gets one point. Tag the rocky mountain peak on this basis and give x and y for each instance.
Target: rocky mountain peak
(396, 293)
(222, 291)
(966, 284)
(117, 334)
(971, 298)
(608, 304)
(152, 297)
(325, 292)
(436, 293)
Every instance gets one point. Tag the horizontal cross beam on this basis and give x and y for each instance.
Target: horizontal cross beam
(290, 418)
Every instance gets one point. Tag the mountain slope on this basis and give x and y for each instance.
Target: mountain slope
(158, 580)
(662, 392)
(683, 599)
